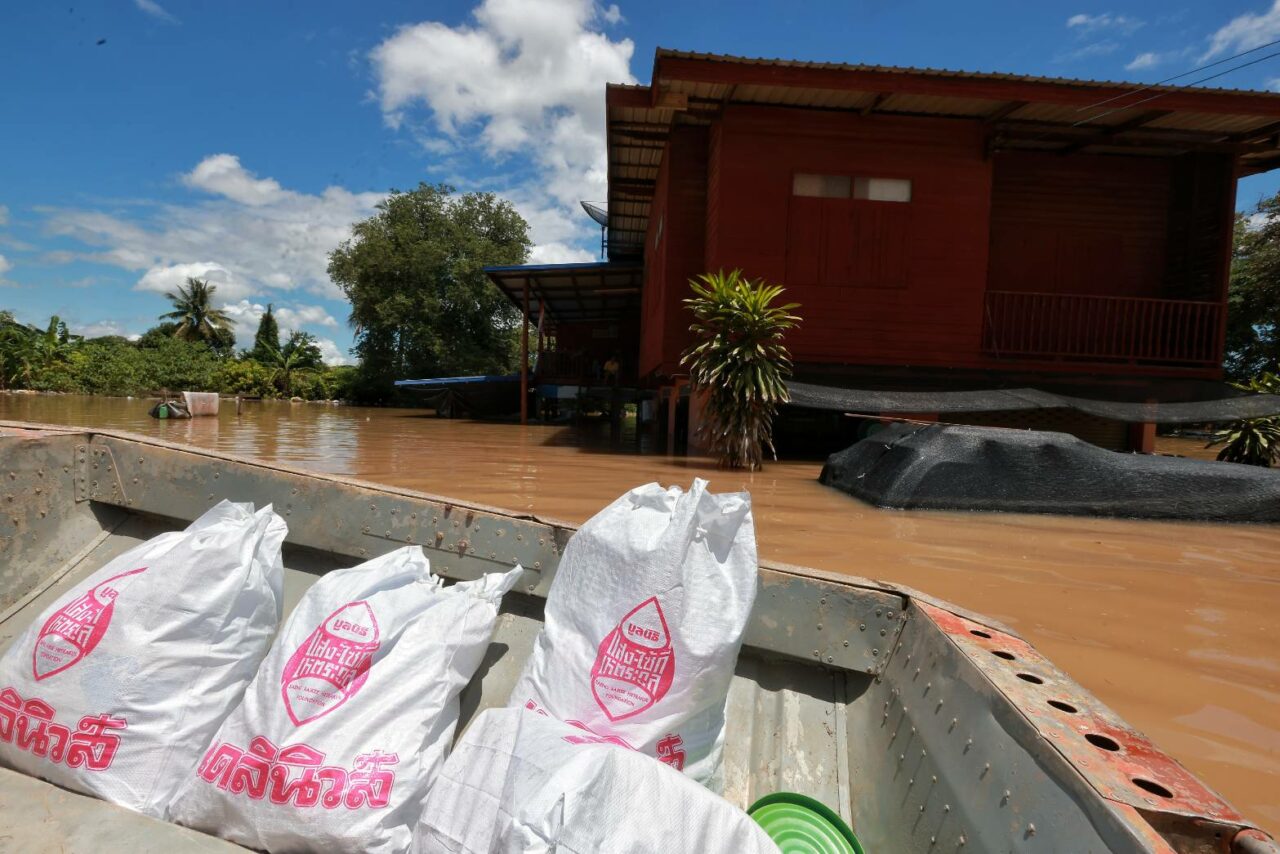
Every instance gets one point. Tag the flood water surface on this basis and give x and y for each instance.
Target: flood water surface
(1176, 626)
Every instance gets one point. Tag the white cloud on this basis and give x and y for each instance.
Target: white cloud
(1144, 61)
(5, 264)
(1245, 32)
(255, 238)
(1083, 23)
(101, 328)
(525, 79)
(304, 315)
(330, 353)
(246, 314)
(163, 279)
(222, 174)
(558, 253)
(1273, 83)
(1104, 48)
(155, 10)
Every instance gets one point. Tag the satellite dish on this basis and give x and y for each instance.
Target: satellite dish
(596, 212)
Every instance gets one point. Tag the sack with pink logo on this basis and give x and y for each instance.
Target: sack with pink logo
(644, 621)
(343, 729)
(117, 687)
(519, 782)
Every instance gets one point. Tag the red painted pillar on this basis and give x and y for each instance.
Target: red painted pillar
(1142, 437)
(524, 358)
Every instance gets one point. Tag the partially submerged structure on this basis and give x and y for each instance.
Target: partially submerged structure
(943, 232)
(955, 467)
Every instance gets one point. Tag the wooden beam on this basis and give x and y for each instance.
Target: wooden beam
(1189, 137)
(1004, 111)
(665, 99)
(1257, 133)
(1102, 135)
(879, 99)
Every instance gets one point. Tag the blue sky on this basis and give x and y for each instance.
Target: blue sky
(149, 140)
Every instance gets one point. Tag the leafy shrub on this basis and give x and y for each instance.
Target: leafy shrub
(739, 362)
(1251, 441)
(245, 377)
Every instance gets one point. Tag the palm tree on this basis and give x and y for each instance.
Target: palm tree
(195, 315)
(299, 353)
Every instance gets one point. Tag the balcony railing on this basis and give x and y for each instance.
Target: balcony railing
(1101, 328)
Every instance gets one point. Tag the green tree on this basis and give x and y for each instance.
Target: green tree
(421, 304)
(299, 353)
(739, 362)
(246, 377)
(196, 318)
(1253, 299)
(17, 341)
(266, 340)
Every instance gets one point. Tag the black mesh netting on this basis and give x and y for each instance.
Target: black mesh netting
(942, 467)
(1230, 405)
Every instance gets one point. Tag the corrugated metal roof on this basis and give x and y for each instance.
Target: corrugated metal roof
(1052, 114)
(952, 73)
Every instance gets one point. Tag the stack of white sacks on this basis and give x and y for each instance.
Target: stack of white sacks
(336, 736)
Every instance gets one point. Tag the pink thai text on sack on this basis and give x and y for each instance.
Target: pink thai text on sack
(297, 775)
(74, 630)
(668, 751)
(635, 663)
(29, 725)
(331, 664)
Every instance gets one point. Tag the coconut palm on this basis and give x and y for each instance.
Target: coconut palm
(299, 353)
(195, 315)
(739, 362)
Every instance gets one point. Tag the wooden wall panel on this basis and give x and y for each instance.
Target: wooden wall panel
(1079, 224)
(676, 254)
(906, 286)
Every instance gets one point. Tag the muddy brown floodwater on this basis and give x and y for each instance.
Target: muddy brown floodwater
(1174, 625)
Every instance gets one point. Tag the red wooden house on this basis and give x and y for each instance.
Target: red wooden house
(944, 232)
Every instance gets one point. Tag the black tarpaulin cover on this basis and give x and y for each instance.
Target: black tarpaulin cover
(941, 467)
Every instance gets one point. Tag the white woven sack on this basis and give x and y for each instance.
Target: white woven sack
(521, 782)
(116, 689)
(644, 621)
(346, 724)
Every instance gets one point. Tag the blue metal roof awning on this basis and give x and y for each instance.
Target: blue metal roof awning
(441, 382)
(571, 293)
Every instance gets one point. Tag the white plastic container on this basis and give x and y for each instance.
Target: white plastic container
(201, 402)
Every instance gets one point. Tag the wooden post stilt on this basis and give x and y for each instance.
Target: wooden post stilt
(524, 359)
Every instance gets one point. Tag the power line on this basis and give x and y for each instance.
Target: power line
(1179, 76)
(1192, 83)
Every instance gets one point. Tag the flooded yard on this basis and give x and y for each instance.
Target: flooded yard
(1174, 625)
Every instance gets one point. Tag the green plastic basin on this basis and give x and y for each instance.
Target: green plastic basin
(799, 824)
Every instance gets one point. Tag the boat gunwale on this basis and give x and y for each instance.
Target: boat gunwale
(1202, 808)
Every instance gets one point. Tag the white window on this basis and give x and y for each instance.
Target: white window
(820, 186)
(882, 189)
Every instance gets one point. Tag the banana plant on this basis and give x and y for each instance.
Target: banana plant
(739, 362)
(1252, 441)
